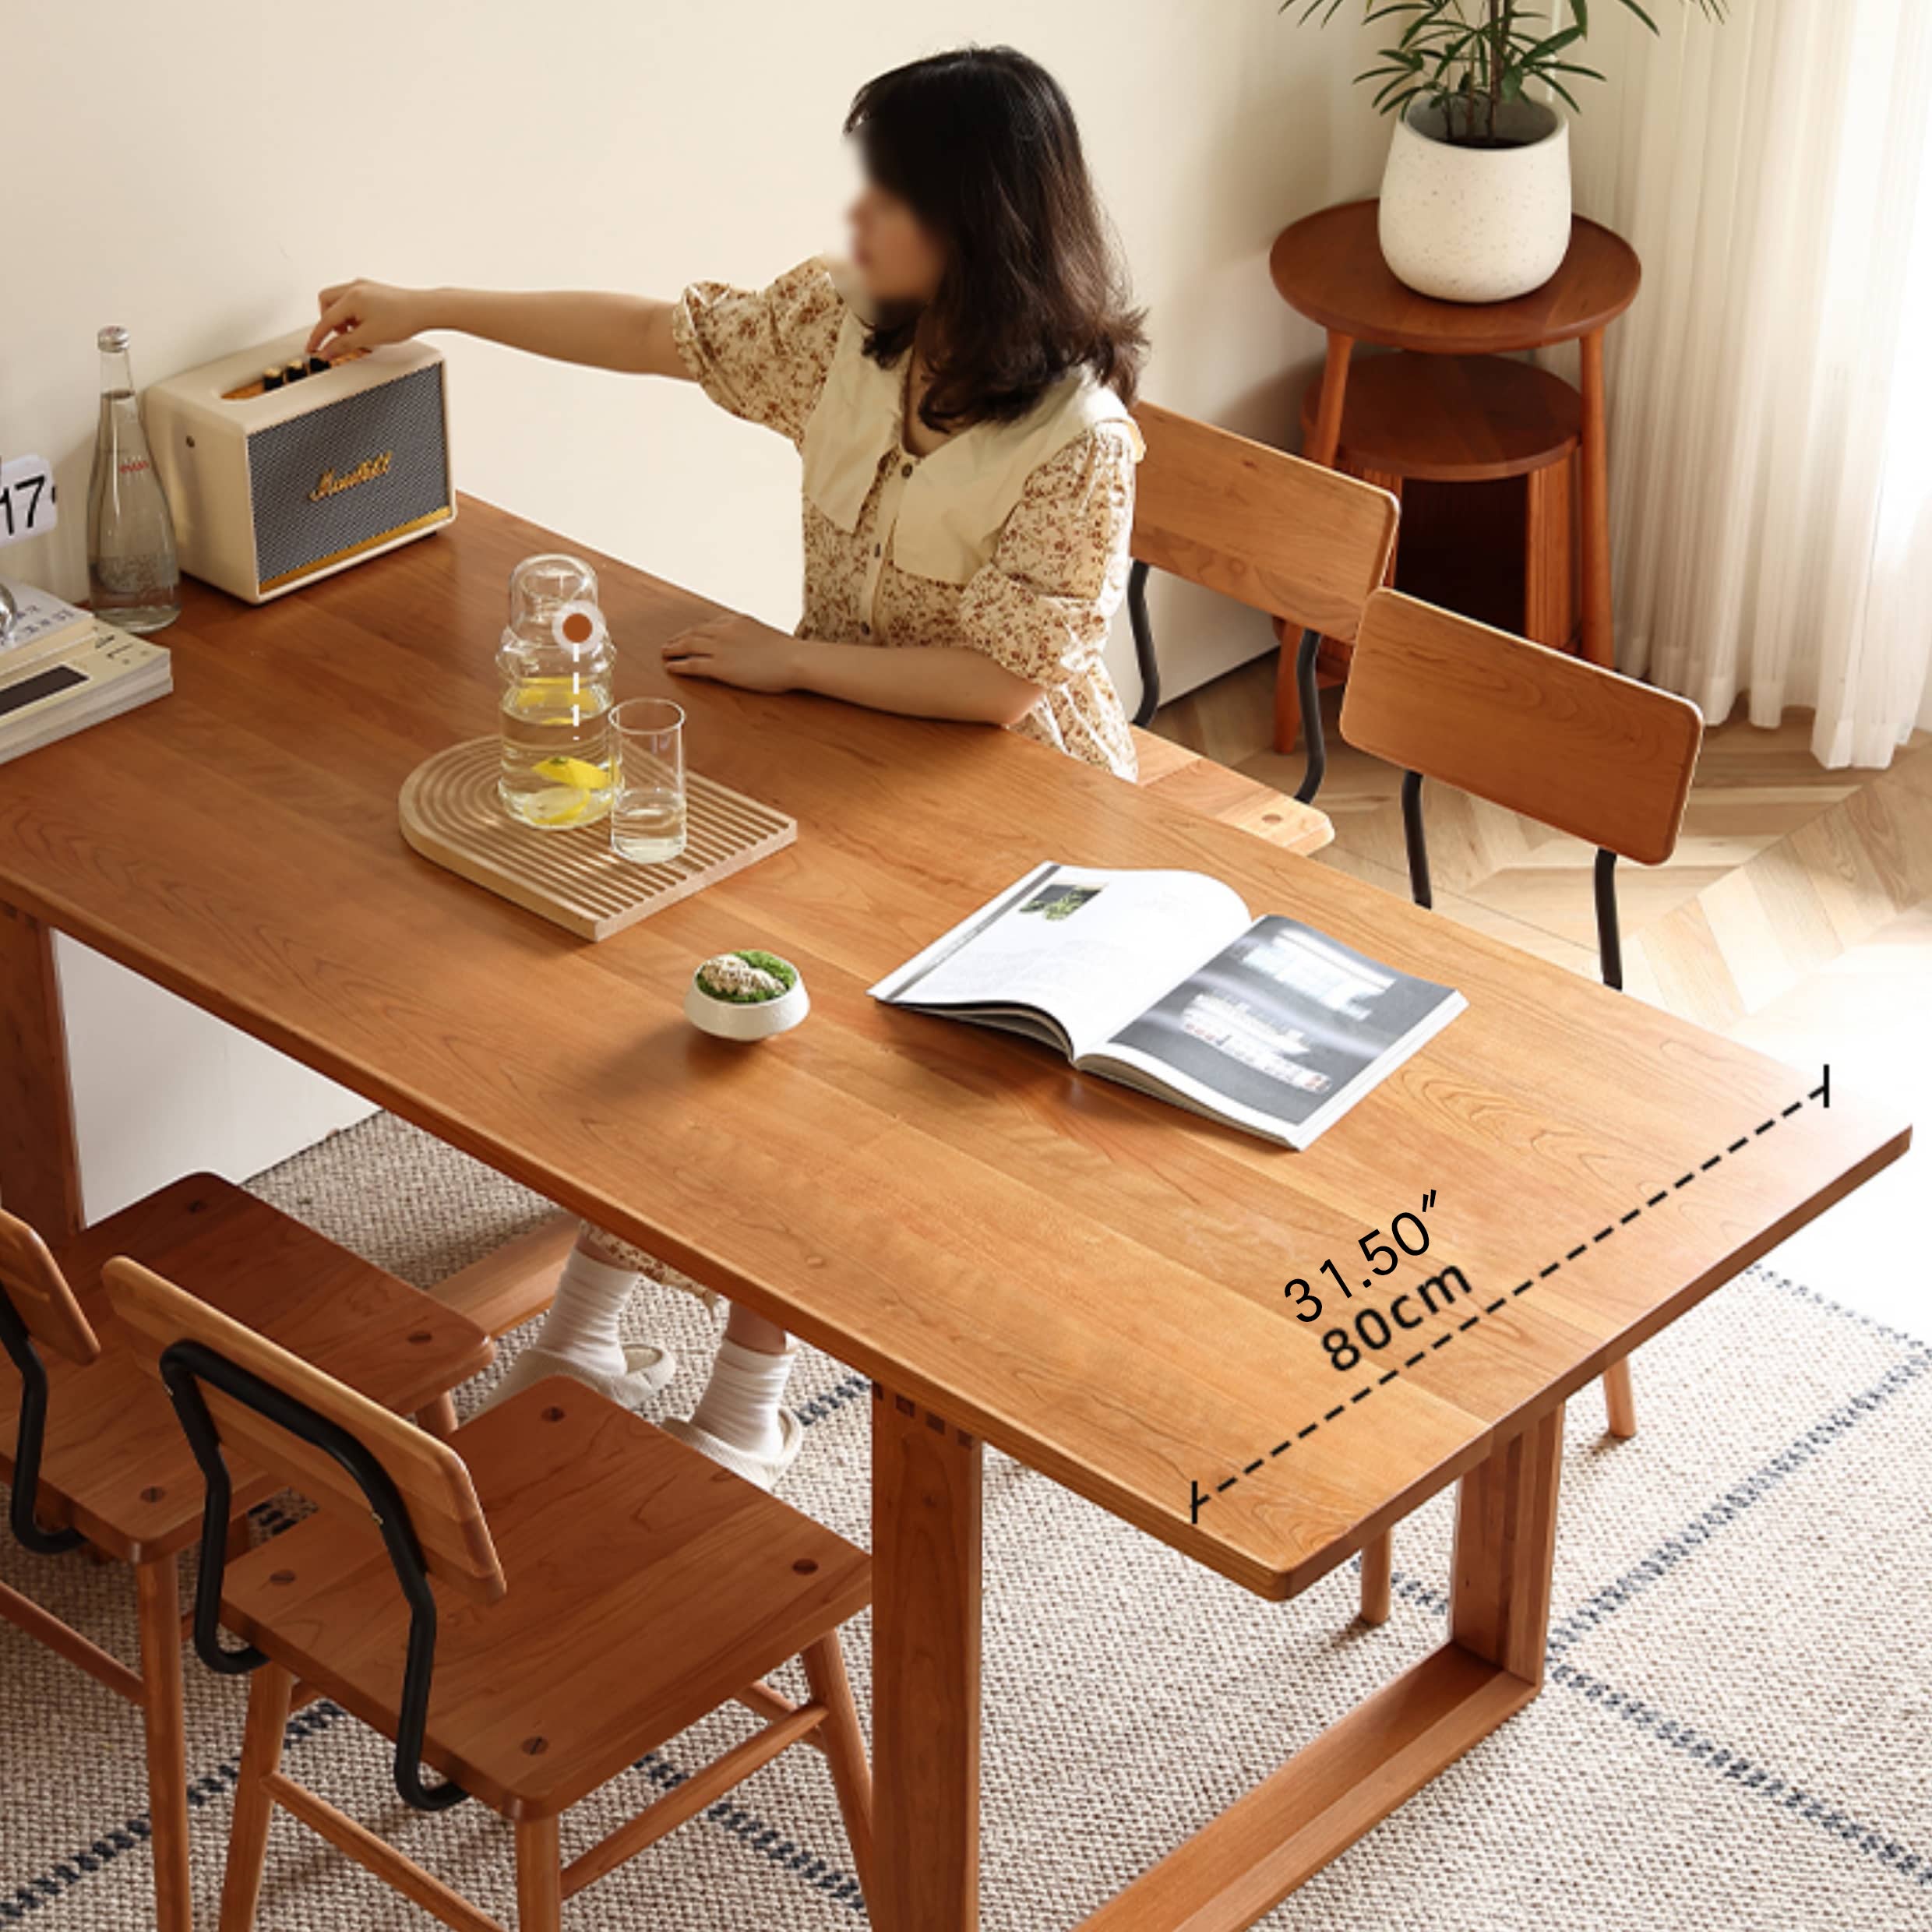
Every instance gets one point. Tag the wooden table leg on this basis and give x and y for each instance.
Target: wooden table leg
(926, 1521)
(1324, 441)
(1550, 562)
(40, 1164)
(1326, 438)
(1598, 642)
(1239, 1867)
(1506, 1550)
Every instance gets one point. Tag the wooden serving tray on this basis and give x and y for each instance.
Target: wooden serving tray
(449, 813)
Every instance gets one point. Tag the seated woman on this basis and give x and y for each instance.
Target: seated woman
(959, 399)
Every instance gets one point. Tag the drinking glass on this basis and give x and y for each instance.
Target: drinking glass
(647, 818)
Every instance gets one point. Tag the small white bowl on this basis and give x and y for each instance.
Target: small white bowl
(727, 1019)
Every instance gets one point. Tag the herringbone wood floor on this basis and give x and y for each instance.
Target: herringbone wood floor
(1796, 915)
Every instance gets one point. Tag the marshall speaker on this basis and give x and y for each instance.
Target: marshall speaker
(279, 471)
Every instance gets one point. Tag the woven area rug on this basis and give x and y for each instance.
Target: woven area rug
(1737, 1730)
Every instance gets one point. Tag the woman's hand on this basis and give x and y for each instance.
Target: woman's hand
(365, 315)
(734, 651)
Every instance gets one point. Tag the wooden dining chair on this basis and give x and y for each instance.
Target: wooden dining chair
(97, 1460)
(509, 1286)
(1303, 543)
(1562, 741)
(527, 1609)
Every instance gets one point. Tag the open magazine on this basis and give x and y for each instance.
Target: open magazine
(1165, 982)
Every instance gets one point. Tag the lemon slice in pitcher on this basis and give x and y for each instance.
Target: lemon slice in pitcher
(559, 805)
(578, 774)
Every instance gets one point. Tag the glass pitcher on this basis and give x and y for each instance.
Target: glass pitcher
(556, 662)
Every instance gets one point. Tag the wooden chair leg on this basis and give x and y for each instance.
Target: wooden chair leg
(1619, 1399)
(1378, 1563)
(844, 1748)
(159, 1615)
(439, 1418)
(539, 1877)
(269, 1698)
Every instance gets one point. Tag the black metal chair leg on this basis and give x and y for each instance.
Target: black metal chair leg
(1609, 942)
(1144, 655)
(1418, 885)
(1318, 766)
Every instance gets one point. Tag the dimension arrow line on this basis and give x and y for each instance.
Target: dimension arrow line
(1199, 1498)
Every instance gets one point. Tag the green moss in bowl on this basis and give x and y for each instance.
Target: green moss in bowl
(747, 977)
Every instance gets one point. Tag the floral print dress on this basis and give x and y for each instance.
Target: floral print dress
(1038, 605)
(1025, 561)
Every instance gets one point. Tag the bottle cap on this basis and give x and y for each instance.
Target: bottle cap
(111, 338)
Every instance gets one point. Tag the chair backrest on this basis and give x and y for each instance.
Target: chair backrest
(1566, 742)
(430, 1477)
(1256, 524)
(31, 1280)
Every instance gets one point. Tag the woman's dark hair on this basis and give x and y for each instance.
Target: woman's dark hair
(982, 145)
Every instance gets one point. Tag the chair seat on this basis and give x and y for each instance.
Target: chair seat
(647, 1586)
(115, 1462)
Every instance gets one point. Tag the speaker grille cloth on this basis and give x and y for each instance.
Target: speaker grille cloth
(403, 419)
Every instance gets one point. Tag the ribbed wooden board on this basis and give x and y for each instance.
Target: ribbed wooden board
(450, 812)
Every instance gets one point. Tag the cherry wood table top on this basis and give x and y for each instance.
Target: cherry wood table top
(1329, 266)
(1088, 1279)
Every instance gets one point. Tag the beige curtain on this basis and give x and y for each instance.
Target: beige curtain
(1771, 393)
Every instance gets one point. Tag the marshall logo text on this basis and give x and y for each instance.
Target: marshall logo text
(366, 471)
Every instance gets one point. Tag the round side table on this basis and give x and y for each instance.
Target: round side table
(1472, 419)
(1329, 268)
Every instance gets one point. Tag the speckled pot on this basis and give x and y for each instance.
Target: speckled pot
(1470, 224)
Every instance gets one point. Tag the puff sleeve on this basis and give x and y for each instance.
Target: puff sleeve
(1041, 608)
(763, 353)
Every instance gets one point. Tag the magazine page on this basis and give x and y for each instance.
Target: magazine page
(1281, 1032)
(1086, 948)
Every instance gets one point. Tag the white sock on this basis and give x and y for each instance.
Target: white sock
(581, 1326)
(742, 1399)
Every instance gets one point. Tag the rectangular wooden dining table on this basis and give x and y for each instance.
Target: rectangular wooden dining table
(1014, 1253)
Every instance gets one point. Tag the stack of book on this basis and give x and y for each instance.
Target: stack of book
(62, 669)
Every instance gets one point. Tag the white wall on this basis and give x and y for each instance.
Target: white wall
(213, 162)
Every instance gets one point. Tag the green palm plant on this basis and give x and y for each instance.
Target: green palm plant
(1468, 58)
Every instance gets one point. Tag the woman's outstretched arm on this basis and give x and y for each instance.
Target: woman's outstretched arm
(628, 333)
(952, 683)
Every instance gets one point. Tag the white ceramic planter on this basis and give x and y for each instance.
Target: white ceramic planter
(727, 1019)
(1473, 225)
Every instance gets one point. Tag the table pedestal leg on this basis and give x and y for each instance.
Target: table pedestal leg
(926, 1520)
(1506, 1550)
(1323, 442)
(40, 1166)
(1237, 1869)
(1599, 644)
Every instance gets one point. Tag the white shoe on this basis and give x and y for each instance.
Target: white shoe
(763, 1471)
(648, 1369)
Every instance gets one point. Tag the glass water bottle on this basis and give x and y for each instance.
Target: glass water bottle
(555, 660)
(133, 578)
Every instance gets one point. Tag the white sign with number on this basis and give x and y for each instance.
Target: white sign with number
(27, 507)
